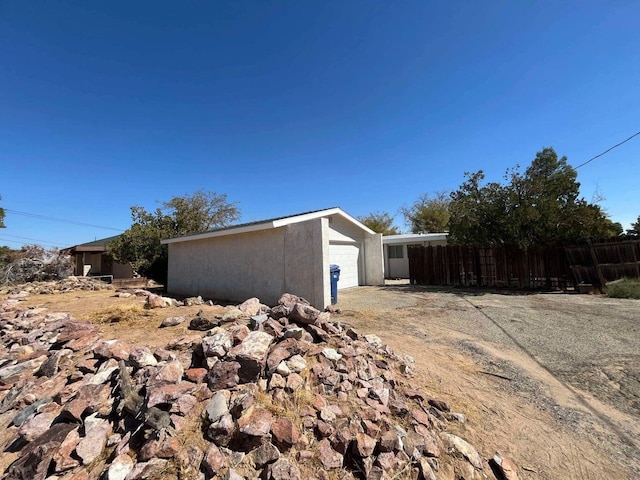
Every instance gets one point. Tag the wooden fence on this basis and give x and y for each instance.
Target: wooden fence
(514, 267)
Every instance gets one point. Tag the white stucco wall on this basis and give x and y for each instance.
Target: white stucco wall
(264, 264)
(374, 264)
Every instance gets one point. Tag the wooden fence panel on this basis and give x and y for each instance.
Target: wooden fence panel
(509, 266)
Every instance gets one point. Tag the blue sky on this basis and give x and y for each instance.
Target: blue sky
(294, 106)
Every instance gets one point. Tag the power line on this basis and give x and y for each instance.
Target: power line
(29, 238)
(53, 219)
(608, 150)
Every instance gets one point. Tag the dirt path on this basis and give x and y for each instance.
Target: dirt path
(552, 380)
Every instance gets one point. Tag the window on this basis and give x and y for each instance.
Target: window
(395, 251)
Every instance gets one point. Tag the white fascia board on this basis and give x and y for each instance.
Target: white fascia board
(414, 237)
(321, 214)
(268, 225)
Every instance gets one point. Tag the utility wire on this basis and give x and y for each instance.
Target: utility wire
(53, 219)
(29, 238)
(608, 150)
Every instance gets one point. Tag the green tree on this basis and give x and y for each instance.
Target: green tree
(189, 214)
(428, 214)
(540, 206)
(380, 222)
(1, 215)
(634, 231)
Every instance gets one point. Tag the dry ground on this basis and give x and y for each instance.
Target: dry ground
(551, 380)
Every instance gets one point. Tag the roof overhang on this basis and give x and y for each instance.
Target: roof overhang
(413, 238)
(270, 224)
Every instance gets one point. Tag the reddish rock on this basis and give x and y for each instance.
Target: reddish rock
(155, 301)
(184, 404)
(112, 349)
(222, 431)
(120, 467)
(189, 458)
(329, 458)
(95, 440)
(364, 445)
(389, 441)
(62, 457)
(294, 382)
(75, 408)
(425, 470)
(214, 461)
(251, 354)
(265, 453)
(168, 393)
(172, 372)
(36, 456)
(303, 314)
(217, 343)
(284, 469)
(432, 443)
(505, 466)
(285, 432)
(439, 404)
(250, 307)
(223, 375)
(162, 446)
(256, 422)
(142, 357)
(196, 375)
(277, 354)
(36, 426)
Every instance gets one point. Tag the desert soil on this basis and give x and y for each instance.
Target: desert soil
(551, 380)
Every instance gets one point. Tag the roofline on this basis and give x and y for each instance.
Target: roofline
(269, 224)
(414, 237)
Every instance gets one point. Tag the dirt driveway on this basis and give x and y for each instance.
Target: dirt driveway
(551, 379)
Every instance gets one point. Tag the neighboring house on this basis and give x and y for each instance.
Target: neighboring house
(396, 259)
(93, 259)
(283, 255)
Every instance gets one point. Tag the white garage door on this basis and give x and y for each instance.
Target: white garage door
(347, 257)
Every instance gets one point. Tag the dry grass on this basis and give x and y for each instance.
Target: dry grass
(130, 313)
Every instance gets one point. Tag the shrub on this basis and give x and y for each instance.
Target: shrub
(625, 288)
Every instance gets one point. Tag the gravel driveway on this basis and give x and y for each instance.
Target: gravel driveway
(588, 343)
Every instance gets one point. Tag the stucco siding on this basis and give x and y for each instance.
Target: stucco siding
(262, 264)
(306, 271)
(374, 263)
(235, 267)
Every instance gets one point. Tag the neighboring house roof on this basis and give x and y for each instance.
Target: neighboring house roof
(269, 224)
(413, 238)
(95, 246)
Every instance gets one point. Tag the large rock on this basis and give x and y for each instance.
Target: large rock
(329, 458)
(464, 448)
(95, 440)
(256, 422)
(250, 307)
(251, 354)
(217, 343)
(304, 314)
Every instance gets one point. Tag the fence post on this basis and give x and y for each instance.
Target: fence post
(596, 265)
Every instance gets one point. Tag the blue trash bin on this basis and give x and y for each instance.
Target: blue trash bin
(335, 276)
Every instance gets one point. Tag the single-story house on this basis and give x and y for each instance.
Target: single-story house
(268, 258)
(396, 258)
(93, 259)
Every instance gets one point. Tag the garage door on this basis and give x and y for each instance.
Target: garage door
(347, 256)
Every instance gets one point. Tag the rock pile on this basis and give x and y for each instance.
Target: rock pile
(274, 393)
(55, 286)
